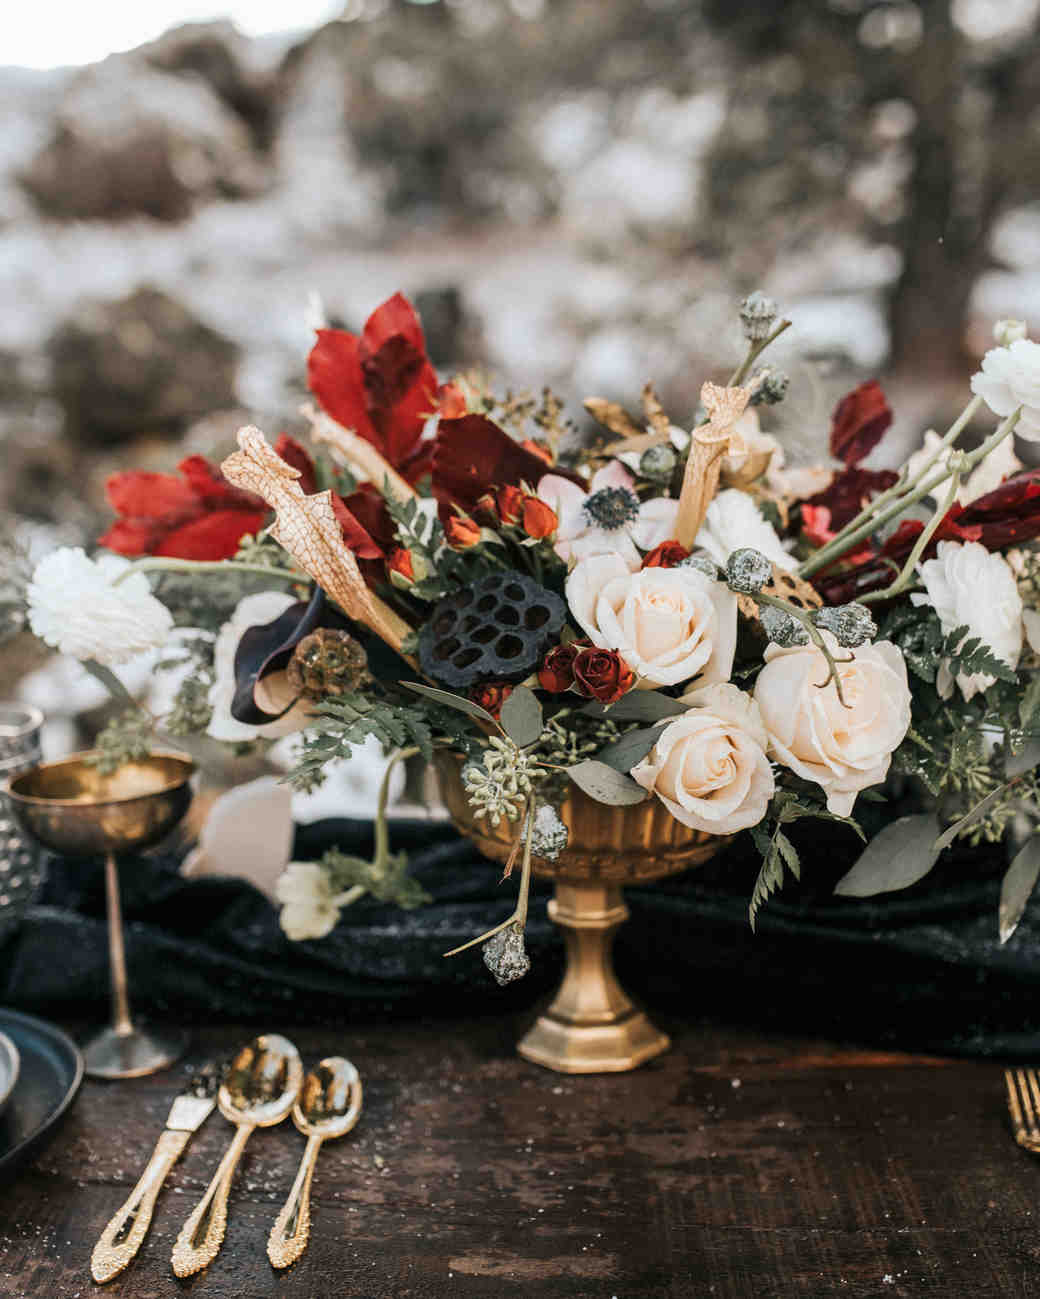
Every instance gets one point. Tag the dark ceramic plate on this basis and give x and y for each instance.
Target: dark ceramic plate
(50, 1075)
(10, 1063)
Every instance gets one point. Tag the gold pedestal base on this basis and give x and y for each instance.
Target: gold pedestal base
(591, 1026)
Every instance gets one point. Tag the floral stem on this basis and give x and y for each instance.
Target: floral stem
(518, 917)
(913, 492)
(158, 564)
(351, 895)
(111, 682)
(906, 574)
(381, 829)
(815, 635)
(755, 350)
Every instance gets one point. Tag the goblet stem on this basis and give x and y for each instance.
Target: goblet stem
(122, 1025)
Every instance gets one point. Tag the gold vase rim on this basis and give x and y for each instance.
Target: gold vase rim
(184, 761)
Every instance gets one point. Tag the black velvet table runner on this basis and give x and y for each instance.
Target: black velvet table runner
(919, 970)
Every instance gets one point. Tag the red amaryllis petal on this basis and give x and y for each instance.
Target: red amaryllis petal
(418, 462)
(1008, 515)
(369, 508)
(213, 489)
(299, 457)
(472, 454)
(131, 537)
(354, 534)
(859, 421)
(137, 494)
(395, 318)
(334, 376)
(849, 491)
(214, 535)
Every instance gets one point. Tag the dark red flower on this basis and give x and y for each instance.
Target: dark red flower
(557, 671)
(669, 554)
(1008, 515)
(602, 674)
(859, 421)
(472, 455)
(849, 491)
(491, 696)
(381, 385)
(198, 515)
(537, 449)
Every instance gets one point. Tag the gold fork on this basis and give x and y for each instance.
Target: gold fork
(1023, 1088)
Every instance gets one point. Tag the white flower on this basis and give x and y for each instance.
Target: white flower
(668, 624)
(310, 908)
(608, 519)
(74, 606)
(252, 611)
(733, 520)
(967, 586)
(1006, 332)
(1009, 378)
(709, 767)
(842, 749)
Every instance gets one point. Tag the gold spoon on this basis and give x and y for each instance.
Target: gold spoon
(329, 1106)
(259, 1089)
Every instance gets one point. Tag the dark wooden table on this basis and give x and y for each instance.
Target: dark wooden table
(737, 1165)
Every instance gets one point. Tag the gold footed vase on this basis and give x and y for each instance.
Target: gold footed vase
(591, 1026)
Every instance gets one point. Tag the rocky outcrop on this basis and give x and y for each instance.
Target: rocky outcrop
(140, 365)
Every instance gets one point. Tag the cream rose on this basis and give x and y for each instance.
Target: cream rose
(843, 749)
(709, 767)
(669, 624)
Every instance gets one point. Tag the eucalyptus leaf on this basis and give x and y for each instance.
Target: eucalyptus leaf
(458, 702)
(631, 748)
(900, 855)
(521, 716)
(979, 810)
(1017, 886)
(606, 785)
(638, 706)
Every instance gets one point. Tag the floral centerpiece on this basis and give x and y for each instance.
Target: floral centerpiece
(668, 613)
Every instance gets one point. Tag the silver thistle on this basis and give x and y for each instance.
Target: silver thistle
(757, 313)
(748, 570)
(851, 624)
(505, 956)
(549, 835)
(782, 628)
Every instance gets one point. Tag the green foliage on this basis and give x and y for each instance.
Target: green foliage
(127, 738)
(778, 852)
(443, 568)
(265, 551)
(340, 724)
(919, 634)
(387, 880)
(191, 711)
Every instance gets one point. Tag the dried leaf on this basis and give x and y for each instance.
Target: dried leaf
(709, 444)
(356, 451)
(1017, 886)
(308, 529)
(612, 416)
(900, 855)
(654, 411)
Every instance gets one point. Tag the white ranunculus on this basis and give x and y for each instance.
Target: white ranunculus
(967, 586)
(842, 749)
(733, 520)
(252, 611)
(608, 519)
(75, 606)
(1009, 378)
(309, 905)
(709, 766)
(669, 624)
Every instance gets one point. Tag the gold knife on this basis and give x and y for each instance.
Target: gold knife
(122, 1238)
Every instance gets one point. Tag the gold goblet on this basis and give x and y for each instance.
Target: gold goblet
(74, 810)
(591, 1025)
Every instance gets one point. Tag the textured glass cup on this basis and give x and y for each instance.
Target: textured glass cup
(21, 858)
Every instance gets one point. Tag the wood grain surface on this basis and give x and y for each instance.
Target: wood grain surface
(736, 1165)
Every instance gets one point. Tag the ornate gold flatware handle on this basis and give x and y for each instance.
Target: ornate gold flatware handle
(202, 1235)
(122, 1238)
(292, 1228)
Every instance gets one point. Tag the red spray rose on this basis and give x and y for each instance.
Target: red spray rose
(669, 554)
(491, 696)
(462, 532)
(539, 520)
(557, 671)
(602, 675)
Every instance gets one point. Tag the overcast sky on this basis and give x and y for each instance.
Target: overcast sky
(37, 35)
